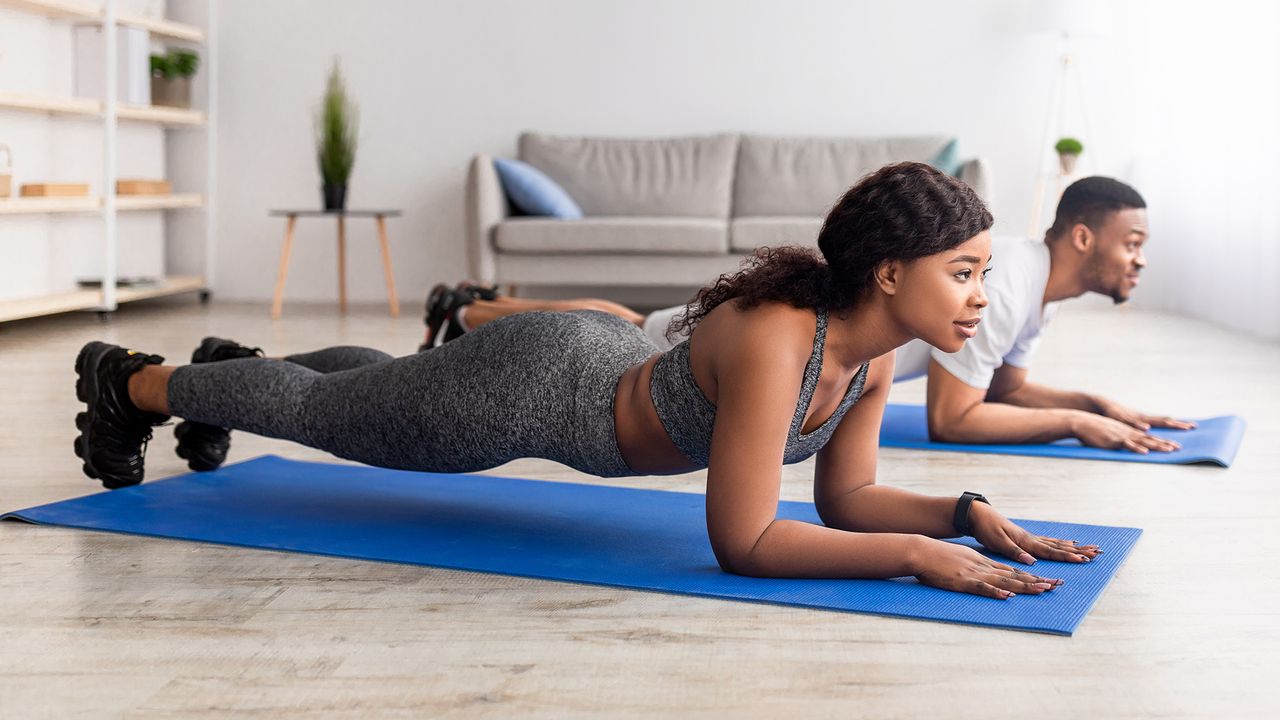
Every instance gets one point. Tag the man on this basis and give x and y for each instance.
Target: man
(981, 393)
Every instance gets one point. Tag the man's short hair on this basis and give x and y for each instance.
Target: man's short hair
(1090, 201)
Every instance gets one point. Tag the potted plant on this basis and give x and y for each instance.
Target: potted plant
(1069, 150)
(171, 75)
(337, 120)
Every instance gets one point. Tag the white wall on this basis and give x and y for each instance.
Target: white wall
(1181, 99)
(439, 81)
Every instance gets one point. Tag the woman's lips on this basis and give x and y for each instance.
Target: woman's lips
(968, 328)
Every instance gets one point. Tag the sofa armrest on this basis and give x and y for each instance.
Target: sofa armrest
(486, 208)
(977, 174)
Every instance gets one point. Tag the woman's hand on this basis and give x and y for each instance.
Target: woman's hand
(998, 534)
(957, 567)
(1104, 432)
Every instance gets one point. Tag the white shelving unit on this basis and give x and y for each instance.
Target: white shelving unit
(109, 113)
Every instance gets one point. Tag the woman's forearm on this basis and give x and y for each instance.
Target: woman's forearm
(794, 549)
(880, 509)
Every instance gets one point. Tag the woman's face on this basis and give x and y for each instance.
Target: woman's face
(939, 298)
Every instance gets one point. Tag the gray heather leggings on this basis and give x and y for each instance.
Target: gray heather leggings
(537, 384)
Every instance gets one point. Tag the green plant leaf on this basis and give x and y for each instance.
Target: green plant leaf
(1069, 146)
(337, 122)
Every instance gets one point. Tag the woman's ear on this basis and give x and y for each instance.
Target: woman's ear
(887, 275)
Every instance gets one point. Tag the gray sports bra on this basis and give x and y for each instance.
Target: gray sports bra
(688, 416)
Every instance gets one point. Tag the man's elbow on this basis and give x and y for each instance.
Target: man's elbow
(946, 426)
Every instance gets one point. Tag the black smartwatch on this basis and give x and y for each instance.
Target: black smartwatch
(961, 518)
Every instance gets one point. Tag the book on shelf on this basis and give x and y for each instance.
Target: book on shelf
(54, 190)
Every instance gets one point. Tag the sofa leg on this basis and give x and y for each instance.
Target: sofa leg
(511, 291)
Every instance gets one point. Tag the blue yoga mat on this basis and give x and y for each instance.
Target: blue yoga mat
(1215, 440)
(641, 539)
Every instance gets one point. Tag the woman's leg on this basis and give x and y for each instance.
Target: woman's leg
(464, 406)
(337, 359)
(205, 446)
(484, 311)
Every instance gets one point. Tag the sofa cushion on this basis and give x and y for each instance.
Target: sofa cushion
(647, 236)
(748, 233)
(807, 175)
(667, 177)
(533, 192)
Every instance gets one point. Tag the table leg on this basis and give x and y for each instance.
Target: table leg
(342, 264)
(278, 303)
(392, 300)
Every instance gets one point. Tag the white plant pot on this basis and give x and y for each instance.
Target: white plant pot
(1068, 162)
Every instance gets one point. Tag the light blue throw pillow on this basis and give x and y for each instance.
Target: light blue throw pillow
(533, 192)
(948, 159)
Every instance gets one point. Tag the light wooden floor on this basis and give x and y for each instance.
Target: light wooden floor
(99, 625)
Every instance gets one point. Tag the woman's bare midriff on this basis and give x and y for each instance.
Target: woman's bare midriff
(643, 441)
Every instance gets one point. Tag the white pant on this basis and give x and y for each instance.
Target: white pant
(655, 326)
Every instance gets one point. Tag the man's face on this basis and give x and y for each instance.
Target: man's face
(1116, 260)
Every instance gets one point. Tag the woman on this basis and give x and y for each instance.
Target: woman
(789, 357)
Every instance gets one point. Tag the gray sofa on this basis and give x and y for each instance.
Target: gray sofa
(671, 211)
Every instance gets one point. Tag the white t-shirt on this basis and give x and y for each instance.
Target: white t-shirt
(1011, 323)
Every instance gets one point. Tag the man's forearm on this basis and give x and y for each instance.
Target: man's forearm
(1032, 395)
(991, 422)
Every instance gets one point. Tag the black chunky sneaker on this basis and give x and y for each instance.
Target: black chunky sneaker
(205, 446)
(441, 310)
(113, 431)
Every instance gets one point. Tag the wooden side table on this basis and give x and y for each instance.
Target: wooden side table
(379, 217)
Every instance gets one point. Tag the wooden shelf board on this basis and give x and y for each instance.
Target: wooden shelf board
(177, 201)
(93, 108)
(92, 299)
(48, 304)
(161, 28)
(64, 10)
(57, 9)
(172, 285)
(41, 205)
(51, 104)
(160, 114)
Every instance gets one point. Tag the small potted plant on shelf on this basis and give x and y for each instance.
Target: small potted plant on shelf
(1069, 150)
(337, 121)
(171, 77)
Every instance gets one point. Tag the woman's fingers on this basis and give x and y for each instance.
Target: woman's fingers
(978, 587)
(1008, 547)
(1027, 577)
(1069, 545)
(1070, 553)
(1021, 587)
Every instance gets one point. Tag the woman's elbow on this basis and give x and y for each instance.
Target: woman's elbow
(738, 560)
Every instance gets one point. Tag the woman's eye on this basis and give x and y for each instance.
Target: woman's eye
(985, 273)
(964, 274)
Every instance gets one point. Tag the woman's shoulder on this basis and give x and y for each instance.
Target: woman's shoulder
(766, 330)
(769, 316)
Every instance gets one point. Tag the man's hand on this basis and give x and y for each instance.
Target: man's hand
(1133, 418)
(999, 534)
(1103, 432)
